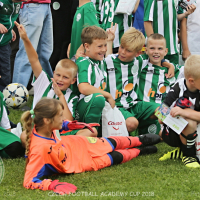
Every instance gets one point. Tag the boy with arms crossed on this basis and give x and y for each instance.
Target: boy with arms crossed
(58, 87)
(185, 95)
(154, 80)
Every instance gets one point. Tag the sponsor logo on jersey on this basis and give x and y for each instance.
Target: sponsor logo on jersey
(128, 87)
(162, 90)
(78, 17)
(17, 8)
(91, 140)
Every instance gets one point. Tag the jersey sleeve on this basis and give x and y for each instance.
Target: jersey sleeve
(83, 75)
(90, 16)
(72, 104)
(35, 169)
(148, 10)
(172, 95)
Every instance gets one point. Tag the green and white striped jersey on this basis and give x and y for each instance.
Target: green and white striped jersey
(122, 80)
(108, 16)
(98, 7)
(43, 88)
(163, 14)
(153, 85)
(92, 72)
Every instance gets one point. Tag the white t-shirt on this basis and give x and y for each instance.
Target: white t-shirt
(41, 84)
(5, 123)
(193, 30)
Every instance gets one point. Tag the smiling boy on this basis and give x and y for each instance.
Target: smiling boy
(92, 75)
(123, 69)
(154, 79)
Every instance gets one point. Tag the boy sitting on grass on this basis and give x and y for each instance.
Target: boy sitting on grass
(91, 74)
(185, 94)
(10, 144)
(154, 79)
(57, 87)
(123, 69)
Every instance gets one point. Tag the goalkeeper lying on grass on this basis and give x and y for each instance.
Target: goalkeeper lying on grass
(49, 153)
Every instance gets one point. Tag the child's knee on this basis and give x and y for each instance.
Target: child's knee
(131, 124)
(191, 127)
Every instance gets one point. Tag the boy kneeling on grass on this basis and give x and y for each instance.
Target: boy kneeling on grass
(185, 94)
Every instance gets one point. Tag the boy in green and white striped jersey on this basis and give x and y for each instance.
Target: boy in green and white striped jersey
(154, 80)
(91, 78)
(122, 76)
(161, 17)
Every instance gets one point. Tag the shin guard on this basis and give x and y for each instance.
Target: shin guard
(123, 142)
(129, 154)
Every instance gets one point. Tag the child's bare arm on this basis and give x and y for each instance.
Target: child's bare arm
(183, 32)
(67, 114)
(31, 53)
(111, 37)
(148, 28)
(185, 113)
(87, 89)
(190, 10)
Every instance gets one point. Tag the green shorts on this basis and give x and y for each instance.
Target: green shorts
(142, 111)
(89, 109)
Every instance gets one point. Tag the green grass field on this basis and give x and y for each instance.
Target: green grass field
(144, 177)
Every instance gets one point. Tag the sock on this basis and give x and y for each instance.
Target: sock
(129, 154)
(123, 142)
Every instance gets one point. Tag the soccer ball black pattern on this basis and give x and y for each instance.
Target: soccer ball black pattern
(15, 95)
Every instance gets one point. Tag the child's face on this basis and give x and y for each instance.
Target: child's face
(58, 120)
(156, 50)
(63, 77)
(97, 49)
(125, 55)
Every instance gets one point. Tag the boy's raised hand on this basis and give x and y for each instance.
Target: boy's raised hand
(170, 73)
(190, 9)
(111, 32)
(21, 30)
(57, 90)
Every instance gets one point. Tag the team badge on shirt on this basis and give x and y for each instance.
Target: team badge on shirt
(78, 17)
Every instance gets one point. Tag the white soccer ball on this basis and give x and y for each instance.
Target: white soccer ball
(16, 95)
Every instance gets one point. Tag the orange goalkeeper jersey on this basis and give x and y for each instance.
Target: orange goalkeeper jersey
(70, 154)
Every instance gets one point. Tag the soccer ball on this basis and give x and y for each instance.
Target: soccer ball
(16, 95)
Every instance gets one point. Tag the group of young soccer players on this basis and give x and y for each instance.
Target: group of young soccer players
(133, 81)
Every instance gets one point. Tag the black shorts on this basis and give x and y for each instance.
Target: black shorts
(171, 137)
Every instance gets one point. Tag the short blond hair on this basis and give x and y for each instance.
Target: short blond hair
(192, 67)
(68, 64)
(91, 33)
(133, 40)
(156, 36)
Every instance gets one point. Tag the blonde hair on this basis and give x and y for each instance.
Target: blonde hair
(45, 108)
(91, 33)
(192, 67)
(133, 40)
(68, 64)
(156, 36)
